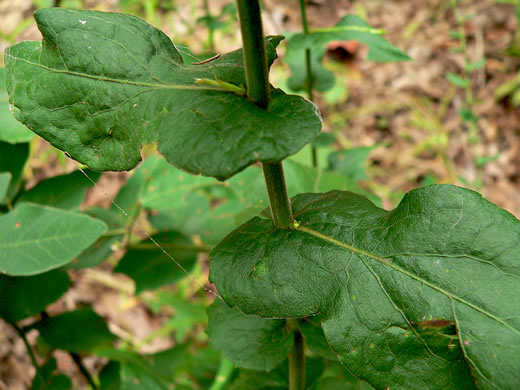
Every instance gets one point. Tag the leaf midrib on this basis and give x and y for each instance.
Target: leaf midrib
(387, 262)
(195, 87)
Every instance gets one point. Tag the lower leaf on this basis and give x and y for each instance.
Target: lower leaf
(423, 297)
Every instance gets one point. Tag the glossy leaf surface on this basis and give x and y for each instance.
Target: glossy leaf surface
(79, 331)
(101, 85)
(25, 296)
(150, 268)
(248, 341)
(349, 28)
(415, 297)
(35, 239)
(11, 130)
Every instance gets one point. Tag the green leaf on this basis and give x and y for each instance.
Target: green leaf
(11, 130)
(25, 296)
(109, 376)
(79, 331)
(35, 239)
(248, 341)
(351, 162)
(349, 28)
(457, 80)
(52, 379)
(5, 178)
(101, 85)
(323, 79)
(99, 251)
(323, 140)
(150, 268)
(161, 369)
(132, 378)
(416, 297)
(13, 159)
(63, 191)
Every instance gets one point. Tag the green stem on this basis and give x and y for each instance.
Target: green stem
(84, 371)
(259, 91)
(278, 195)
(224, 372)
(308, 70)
(297, 358)
(30, 352)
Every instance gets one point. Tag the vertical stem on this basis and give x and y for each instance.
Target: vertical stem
(259, 91)
(308, 70)
(278, 195)
(297, 358)
(223, 374)
(30, 352)
(83, 370)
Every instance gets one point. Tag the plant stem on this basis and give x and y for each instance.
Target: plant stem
(297, 358)
(224, 372)
(259, 91)
(83, 370)
(30, 352)
(278, 195)
(308, 70)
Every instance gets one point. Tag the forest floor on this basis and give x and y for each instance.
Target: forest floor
(408, 111)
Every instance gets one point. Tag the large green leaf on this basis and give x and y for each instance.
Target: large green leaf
(35, 239)
(63, 191)
(11, 130)
(149, 266)
(415, 298)
(25, 296)
(349, 28)
(101, 85)
(79, 331)
(248, 341)
(13, 159)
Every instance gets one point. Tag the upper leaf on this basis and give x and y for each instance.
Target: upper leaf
(414, 298)
(35, 239)
(349, 28)
(100, 85)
